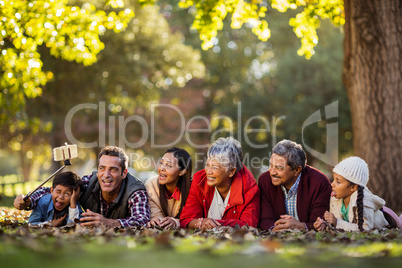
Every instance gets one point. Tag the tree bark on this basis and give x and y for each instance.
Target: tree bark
(26, 165)
(372, 76)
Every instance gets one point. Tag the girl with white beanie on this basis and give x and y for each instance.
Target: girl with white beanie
(353, 207)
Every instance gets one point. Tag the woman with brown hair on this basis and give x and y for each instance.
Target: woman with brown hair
(168, 191)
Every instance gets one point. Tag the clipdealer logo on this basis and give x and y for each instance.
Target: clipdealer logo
(148, 130)
(233, 127)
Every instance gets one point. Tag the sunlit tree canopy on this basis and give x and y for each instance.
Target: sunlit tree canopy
(70, 32)
(210, 15)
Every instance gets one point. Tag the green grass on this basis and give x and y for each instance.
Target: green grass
(116, 253)
(47, 248)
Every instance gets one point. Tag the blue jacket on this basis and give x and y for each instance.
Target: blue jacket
(44, 211)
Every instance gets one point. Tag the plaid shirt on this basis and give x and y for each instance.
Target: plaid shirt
(137, 204)
(291, 198)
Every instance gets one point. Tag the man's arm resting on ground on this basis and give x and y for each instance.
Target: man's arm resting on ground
(139, 210)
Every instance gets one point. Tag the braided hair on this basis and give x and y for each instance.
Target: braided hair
(359, 202)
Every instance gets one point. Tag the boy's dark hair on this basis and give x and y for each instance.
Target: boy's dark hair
(68, 179)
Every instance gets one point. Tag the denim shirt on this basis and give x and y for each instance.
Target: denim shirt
(44, 211)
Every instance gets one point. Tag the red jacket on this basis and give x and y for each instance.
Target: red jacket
(243, 206)
(313, 196)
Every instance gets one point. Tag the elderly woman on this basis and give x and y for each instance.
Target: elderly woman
(225, 193)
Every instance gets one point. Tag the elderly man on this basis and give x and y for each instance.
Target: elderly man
(225, 193)
(293, 194)
(112, 196)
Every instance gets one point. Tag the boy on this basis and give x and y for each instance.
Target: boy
(53, 208)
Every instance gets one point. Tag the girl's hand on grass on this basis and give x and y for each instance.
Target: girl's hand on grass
(330, 218)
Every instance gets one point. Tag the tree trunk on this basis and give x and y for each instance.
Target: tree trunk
(26, 165)
(372, 76)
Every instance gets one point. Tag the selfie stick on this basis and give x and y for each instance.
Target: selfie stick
(66, 160)
(66, 163)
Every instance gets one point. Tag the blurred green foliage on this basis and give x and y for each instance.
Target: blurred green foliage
(130, 73)
(256, 85)
(210, 15)
(157, 60)
(69, 32)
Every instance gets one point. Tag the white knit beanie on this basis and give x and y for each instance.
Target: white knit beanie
(354, 169)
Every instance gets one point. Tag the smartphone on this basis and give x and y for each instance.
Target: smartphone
(65, 152)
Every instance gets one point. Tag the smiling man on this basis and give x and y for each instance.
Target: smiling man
(112, 196)
(293, 194)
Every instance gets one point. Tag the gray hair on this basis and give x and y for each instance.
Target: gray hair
(292, 151)
(227, 151)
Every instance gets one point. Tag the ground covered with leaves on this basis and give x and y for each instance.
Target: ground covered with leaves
(78, 246)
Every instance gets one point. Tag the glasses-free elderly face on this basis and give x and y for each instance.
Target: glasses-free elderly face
(281, 173)
(218, 175)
